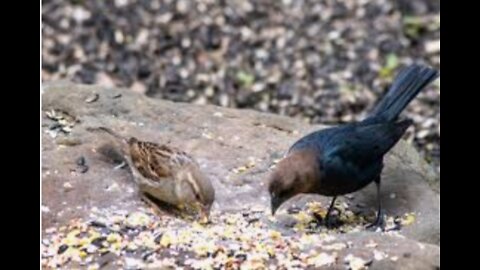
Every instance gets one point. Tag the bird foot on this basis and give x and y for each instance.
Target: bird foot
(153, 206)
(332, 222)
(378, 223)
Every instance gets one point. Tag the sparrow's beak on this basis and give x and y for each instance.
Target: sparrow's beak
(204, 214)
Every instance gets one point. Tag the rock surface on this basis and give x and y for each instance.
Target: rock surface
(235, 147)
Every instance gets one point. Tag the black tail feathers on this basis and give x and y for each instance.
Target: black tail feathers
(404, 89)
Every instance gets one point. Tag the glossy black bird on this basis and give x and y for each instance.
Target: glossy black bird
(346, 158)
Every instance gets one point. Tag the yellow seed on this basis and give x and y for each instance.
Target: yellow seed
(275, 235)
(408, 219)
(241, 169)
(116, 246)
(270, 251)
(82, 254)
(114, 237)
(166, 240)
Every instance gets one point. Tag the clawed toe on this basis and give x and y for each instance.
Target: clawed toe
(378, 223)
(332, 222)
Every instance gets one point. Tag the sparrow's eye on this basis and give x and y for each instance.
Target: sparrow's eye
(197, 196)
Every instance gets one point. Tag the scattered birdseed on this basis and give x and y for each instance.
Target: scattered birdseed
(371, 244)
(356, 263)
(379, 255)
(408, 219)
(322, 259)
(92, 98)
(250, 164)
(229, 241)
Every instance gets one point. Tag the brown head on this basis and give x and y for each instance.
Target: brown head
(195, 190)
(295, 174)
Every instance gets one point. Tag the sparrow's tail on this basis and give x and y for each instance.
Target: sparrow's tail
(108, 131)
(404, 89)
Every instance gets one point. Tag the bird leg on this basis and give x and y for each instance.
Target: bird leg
(327, 217)
(161, 208)
(380, 220)
(156, 209)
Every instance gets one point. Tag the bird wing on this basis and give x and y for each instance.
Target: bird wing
(360, 144)
(153, 161)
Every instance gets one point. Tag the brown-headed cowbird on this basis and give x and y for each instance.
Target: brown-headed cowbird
(343, 159)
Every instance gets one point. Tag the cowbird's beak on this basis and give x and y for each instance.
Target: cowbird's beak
(275, 204)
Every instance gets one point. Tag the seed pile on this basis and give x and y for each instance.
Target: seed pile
(250, 239)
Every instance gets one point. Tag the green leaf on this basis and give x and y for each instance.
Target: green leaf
(392, 61)
(413, 21)
(245, 79)
(412, 26)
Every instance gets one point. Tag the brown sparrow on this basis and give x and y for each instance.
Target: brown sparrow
(166, 174)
